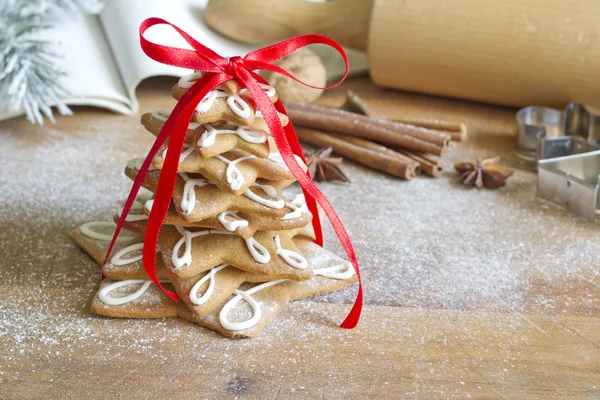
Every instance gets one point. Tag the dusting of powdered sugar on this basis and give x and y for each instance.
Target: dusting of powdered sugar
(424, 244)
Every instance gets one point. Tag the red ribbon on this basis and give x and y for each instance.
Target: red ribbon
(217, 71)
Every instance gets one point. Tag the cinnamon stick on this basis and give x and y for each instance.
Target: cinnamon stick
(355, 104)
(458, 131)
(429, 166)
(368, 154)
(380, 130)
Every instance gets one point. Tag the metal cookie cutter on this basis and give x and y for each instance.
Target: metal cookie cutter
(536, 123)
(566, 147)
(572, 182)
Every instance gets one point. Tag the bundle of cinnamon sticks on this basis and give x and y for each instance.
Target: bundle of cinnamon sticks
(356, 132)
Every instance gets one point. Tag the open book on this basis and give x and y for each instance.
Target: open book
(103, 60)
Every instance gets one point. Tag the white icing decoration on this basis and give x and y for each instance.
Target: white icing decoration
(186, 238)
(163, 115)
(211, 286)
(233, 223)
(186, 150)
(118, 259)
(258, 251)
(235, 178)
(148, 205)
(104, 293)
(340, 272)
(295, 213)
(246, 295)
(249, 135)
(87, 230)
(136, 164)
(133, 217)
(207, 102)
(188, 201)
(238, 105)
(300, 201)
(291, 257)
(273, 202)
(187, 81)
(278, 159)
(269, 90)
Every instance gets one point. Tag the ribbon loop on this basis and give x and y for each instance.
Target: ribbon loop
(218, 70)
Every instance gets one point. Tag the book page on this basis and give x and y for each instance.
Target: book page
(121, 21)
(92, 76)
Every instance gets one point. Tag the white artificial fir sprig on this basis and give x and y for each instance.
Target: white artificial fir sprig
(29, 71)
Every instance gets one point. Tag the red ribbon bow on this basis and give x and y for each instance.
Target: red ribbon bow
(217, 71)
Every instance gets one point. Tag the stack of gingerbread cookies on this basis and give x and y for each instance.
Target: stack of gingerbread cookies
(232, 247)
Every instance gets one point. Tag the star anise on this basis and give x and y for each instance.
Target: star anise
(485, 173)
(323, 167)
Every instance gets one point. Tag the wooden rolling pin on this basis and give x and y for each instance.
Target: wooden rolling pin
(515, 53)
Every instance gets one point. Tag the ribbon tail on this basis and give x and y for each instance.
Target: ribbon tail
(271, 116)
(296, 148)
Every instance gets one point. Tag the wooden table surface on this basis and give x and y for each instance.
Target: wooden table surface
(469, 293)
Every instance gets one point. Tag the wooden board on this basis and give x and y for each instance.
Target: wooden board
(528, 332)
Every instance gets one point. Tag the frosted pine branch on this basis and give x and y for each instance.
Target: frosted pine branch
(30, 72)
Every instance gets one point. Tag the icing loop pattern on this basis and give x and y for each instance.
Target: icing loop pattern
(188, 201)
(258, 251)
(105, 297)
(211, 286)
(295, 213)
(186, 239)
(273, 202)
(339, 272)
(87, 230)
(255, 136)
(233, 174)
(238, 105)
(118, 259)
(246, 296)
(291, 257)
(233, 222)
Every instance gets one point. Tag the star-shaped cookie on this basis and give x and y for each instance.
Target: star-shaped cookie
(196, 199)
(216, 138)
(234, 171)
(265, 299)
(188, 252)
(331, 274)
(221, 104)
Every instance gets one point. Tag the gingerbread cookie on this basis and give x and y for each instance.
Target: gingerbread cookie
(224, 105)
(195, 198)
(141, 299)
(217, 138)
(234, 171)
(188, 252)
(202, 293)
(267, 299)
(244, 225)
